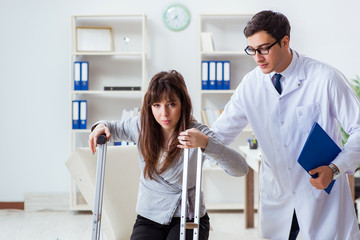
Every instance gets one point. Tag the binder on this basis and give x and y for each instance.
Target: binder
(205, 75)
(226, 75)
(77, 74)
(84, 76)
(83, 114)
(212, 75)
(75, 115)
(219, 75)
(319, 150)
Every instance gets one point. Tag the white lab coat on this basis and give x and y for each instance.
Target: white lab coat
(312, 91)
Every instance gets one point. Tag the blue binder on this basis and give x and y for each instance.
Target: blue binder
(219, 75)
(77, 75)
(212, 75)
(226, 75)
(75, 114)
(84, 75)
(83, 114)
(205, 75)
(319, 150)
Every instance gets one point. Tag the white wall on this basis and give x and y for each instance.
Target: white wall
(34, 69)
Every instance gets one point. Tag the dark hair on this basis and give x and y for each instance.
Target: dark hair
(274, 23)
(163, 84)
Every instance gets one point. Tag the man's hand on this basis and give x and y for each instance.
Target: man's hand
(324, 178)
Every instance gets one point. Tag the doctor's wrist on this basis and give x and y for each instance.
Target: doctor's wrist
(335, 171)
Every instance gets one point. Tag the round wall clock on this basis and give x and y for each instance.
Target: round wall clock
(176, 17)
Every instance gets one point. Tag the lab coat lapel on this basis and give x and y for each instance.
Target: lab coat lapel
(296, 82)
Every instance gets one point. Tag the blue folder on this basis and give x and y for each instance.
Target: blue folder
(84, 76)
(212, 75)
(75, 114)
(319, 150)
(83, 114)
(205, 75)
(77, 75)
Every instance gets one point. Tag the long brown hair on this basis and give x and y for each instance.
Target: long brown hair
(151, 139)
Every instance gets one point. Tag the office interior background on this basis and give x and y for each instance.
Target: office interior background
(35, 59)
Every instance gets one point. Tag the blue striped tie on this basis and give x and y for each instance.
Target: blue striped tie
(277, 83)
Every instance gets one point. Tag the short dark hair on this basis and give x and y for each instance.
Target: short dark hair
(274, 23)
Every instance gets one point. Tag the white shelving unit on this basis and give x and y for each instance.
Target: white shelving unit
(126, 66)
(229, 42)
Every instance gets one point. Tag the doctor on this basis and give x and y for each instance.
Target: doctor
(281, 110)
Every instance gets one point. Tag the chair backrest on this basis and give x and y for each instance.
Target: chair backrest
(120, 187)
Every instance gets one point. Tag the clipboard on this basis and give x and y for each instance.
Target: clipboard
(319, 150)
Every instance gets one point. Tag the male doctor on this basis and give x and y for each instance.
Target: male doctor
(281, 99)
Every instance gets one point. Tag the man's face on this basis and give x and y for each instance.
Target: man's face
(275, 59)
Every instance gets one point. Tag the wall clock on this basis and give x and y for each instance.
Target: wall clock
(176, 17)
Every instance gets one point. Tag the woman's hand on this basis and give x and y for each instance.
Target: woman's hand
(97, 131)
(192, 138)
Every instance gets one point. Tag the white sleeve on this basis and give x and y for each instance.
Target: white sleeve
(233, 119)
(346, 109)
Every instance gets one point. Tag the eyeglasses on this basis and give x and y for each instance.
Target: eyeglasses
(263, 50)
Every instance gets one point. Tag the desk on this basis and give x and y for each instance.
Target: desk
(253, 159)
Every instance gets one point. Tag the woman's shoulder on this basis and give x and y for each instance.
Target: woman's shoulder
(195, 124)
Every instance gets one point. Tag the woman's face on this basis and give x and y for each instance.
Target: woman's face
(167, 113)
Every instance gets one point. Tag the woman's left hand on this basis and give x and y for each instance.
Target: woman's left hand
(192, 138)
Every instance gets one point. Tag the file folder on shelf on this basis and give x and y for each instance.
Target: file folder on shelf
(84, 76)
(205, 75)
(219, 75)
(212, 75)
(319, 150)
(83, 114)
(77, 75)
(226, 75)
(75, 114)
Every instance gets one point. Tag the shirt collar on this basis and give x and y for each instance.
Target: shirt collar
(290, 68)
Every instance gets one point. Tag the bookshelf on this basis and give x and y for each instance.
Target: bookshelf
(226, 44)
(124, 64)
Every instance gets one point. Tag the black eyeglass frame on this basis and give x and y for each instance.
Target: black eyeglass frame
(263, 48)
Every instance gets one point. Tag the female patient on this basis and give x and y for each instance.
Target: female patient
(164, 127)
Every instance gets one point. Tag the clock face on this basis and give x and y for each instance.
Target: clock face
(176, 17)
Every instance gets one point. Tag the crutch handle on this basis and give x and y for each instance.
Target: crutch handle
(101, 139)
(191, 225)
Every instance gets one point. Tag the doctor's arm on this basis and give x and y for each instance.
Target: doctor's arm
(345, 107)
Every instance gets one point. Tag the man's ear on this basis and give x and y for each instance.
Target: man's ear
(285, 42)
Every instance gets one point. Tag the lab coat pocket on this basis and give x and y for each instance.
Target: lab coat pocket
(307, 115)
(268, 186)
(318, 193)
